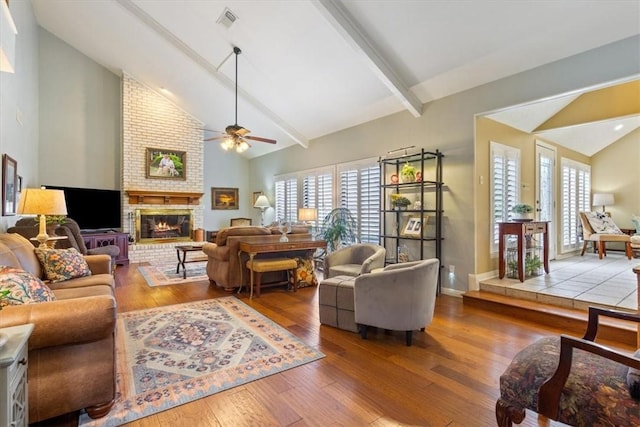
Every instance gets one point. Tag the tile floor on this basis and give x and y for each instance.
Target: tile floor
(578, 282)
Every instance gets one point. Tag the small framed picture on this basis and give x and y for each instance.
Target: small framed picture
(413, 226)
(224, 198)
(165, 164)
(9, 185)
(256, 194)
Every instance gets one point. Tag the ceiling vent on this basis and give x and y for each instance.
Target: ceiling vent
(227, 18)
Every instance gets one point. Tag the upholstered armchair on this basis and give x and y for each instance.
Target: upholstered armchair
(600, 229)
(354, 260)
(402, 297)
(572, 380)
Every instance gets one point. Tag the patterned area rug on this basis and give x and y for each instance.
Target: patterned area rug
(171, 355)
(161, 275)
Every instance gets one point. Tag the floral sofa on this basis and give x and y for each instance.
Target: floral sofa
(72, 347)
(226, 268)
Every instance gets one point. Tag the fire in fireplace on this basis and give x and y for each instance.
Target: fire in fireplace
(163, 225)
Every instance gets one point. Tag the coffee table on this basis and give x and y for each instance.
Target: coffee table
(181, 251)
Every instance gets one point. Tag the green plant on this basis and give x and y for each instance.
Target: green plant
(408, 172)
(338, 228)
(399, 200)
(522, 208)
(52, 219)
(532, 264)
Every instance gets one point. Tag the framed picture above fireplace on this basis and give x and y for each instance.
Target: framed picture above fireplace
(224, 198)
(166, 164)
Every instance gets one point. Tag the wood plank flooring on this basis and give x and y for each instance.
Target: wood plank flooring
(449, 377)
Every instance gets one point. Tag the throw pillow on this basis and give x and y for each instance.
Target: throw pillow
(635, 219)
(633, 379)
(306, 273)
(23, 287)
(62, 264)
(602, 223)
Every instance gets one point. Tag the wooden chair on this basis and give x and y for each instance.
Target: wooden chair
(600, 239)
(572, 380)
(239, 221)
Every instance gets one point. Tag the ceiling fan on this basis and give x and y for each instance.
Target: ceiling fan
(236, 136)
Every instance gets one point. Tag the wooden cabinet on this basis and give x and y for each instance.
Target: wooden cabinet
(523, 251)
(14, 400)
(121, 240)
(414, 231)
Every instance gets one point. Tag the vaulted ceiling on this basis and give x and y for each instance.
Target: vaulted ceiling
(312, 67)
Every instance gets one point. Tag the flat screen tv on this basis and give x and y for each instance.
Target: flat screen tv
(93, 209)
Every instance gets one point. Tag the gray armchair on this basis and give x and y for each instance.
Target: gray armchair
(354, 260)
(402, 297)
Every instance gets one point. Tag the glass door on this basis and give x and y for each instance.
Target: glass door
(545, 191)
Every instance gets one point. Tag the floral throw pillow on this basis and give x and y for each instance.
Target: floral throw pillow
(602, 223)
(306, 273)
(23, 287)
(62, 264)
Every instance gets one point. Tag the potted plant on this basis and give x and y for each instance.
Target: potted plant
(399, 201)
(339, 227)
(408, 173)
(53, 222)
(522, 211)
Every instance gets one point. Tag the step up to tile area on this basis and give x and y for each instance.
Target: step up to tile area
(566, 320)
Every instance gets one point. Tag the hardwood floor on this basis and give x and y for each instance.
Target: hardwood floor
(449, 377)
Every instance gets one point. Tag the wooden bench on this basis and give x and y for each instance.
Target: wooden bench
(258, 266)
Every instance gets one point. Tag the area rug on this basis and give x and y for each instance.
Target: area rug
(165, 274)
(171, 355)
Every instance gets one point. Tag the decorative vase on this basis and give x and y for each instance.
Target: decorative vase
(409, 178)
(51, 228)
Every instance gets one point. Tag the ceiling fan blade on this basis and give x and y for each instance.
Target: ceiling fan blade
(216, 137)
(257, 138)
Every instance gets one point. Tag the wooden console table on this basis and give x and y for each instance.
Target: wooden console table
(254, 245)
(522, 229)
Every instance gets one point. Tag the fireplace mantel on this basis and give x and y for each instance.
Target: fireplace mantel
(137, 197)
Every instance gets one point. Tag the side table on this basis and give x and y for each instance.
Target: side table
(520, 230)
(183, 260)
(14, 403)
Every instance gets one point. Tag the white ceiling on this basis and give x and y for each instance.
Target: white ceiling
(312, 67)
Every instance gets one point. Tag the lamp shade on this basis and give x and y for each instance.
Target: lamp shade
(603, 199)
(262, 202)
(307, 214)
(41, 201)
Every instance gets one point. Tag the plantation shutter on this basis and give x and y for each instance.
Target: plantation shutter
(360, 193)
(505, 184)
(286, 203)
(317, 192)
(576, 192)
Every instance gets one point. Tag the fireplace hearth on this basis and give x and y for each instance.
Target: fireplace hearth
(163, 225)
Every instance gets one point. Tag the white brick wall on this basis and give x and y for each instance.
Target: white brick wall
(149, 120)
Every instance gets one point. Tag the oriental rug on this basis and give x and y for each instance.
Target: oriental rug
(168, 356)
(165, 274)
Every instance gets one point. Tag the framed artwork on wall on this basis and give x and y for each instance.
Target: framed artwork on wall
(166, 164)
(224, 198)
(256, 194)
(9, 185)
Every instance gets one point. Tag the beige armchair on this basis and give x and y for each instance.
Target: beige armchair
(402, 297)
(354, 260)
(600, 238)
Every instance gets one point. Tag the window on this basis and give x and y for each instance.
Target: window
(355, 186)
(505, 185)
(576, 190)
(286, 198)
(360, 193)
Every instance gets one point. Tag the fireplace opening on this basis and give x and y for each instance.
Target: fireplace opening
(163, 225)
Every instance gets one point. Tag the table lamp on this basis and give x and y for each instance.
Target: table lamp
(262, 203)
(603, 199)
(40, 201)
(307, 214)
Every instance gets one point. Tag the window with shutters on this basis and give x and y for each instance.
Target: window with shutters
(360, 192)
(576, 195)
(286, 203)
(317, 191)
(505, 185)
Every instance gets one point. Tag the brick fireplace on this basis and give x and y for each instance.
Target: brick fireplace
(150, 120)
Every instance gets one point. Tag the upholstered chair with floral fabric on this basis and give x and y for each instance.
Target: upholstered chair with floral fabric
(572, 380)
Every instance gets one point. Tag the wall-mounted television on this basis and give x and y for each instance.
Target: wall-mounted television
(93, 209)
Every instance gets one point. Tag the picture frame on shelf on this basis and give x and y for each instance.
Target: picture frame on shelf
(9, 185)
(224, 198)
(413, 226)
(166, 164)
